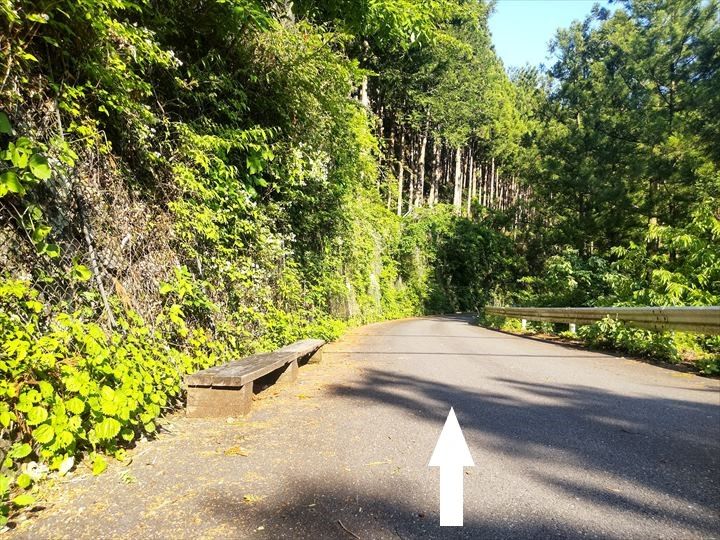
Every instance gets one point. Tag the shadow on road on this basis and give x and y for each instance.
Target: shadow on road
(638, 457)
(664, 446)
(648, 445)
(333, 509)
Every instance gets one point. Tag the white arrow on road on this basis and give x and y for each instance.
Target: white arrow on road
(451, 454)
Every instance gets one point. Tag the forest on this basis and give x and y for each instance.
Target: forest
(183, 182)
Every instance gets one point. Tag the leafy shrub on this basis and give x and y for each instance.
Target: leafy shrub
(612, 334)
(453, 263)
(671, 266)
(709, 365)
(496, 322)
(511, 325)
(567, 279)
(674, 265)
(67, 386)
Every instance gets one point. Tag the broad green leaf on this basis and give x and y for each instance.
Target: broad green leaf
(4, 484)
(36, 415)
(81, 272)
(40, 233)
(23, 481)
(107, 393)
(46, 389)
(34, 305)
(74, 422)
(39, 167)
(52, 250)
(107, 429)
(108, 408)
(35, 212)
(20, 451)
(10, 181)
(99, 465)
(254, 164)
(73, 384)
(5, 125)
(75, 405)
(5, 418)
(23, 500)
(165, 288)
(43, 434)
(65, 439)
(19, 155)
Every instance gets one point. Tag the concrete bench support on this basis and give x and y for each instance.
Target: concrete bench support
(227, 390)
(209, 402)
(290, 373)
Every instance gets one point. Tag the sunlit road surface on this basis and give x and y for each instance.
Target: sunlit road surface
(567, 444)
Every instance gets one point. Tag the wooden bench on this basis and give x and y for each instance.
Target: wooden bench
(227, 390)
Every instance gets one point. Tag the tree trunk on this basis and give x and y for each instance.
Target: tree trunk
(412, 177)
(481, 196)
(470, 188)
(364, 98)
(381, 137)
(421, 169)
(382, 130)
(457, 195)
(448, 163)
(401, 172)
(492, 183)
(437, 172)
(392, 158)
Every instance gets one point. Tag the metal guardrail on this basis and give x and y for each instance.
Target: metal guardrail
(701, 320)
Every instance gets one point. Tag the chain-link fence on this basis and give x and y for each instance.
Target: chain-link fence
(97, 220)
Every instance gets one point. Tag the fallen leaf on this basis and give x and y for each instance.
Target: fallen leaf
(236, 451)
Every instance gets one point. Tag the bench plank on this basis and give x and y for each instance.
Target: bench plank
(241, 372)
(227, 390)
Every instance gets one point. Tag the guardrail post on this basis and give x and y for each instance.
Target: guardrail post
(523, 322)
(573, 328)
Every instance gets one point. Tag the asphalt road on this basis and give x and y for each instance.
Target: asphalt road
(567, 444)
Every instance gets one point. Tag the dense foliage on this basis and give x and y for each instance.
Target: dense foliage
(183, 183)
(627, 189)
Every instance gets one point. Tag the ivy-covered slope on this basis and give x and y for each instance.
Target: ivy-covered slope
(177, 190)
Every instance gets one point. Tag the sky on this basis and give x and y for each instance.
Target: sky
(522, 29)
